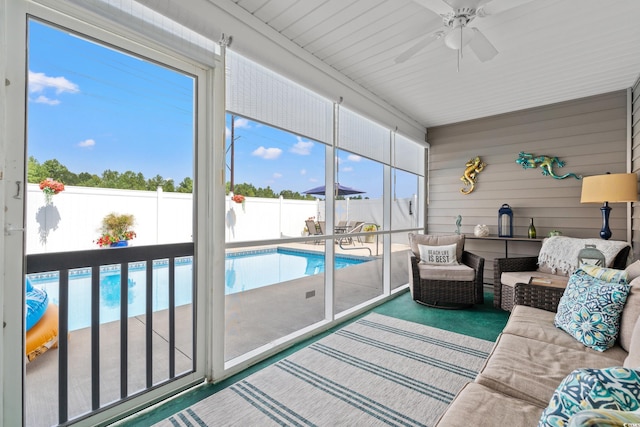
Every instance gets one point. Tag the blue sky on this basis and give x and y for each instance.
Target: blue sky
(94, 108)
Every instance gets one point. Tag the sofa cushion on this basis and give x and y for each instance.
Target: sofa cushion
(633, 359)
(436, 240)
(604, 418)
(611, 388)
(531, 370)
(559, 254)
(438, 255)
(590, 310)
(633, 270)
(606, 274)
(479, 406)
(538, 324)
(458, 272)
(630, 314)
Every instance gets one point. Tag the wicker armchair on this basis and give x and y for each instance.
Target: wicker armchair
(449, 293)
(504, 295)
(453, 285)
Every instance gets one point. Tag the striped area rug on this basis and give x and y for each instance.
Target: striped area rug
(378, 370)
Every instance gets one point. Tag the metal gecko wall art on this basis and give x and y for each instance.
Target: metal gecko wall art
(473, 168)
(529, 161)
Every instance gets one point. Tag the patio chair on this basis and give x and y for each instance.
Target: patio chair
(313, 229)
(444, 275)
(347, 236)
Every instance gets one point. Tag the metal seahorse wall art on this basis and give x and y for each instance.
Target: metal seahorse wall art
(473, 168)
(545, 163)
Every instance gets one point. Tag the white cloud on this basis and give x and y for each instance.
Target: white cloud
(227, 133)
(277, 175)
(354, 158)
(267, 153)
(44, 100)
(239, 122)
(303, 171)
(38, 82)
(87, 143)
(301, 147)
(313, 180)
(347, 169)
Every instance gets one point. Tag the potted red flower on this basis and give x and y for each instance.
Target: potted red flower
(50, 187)
(116, 230)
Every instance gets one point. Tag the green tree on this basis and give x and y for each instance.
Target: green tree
(110, 179)
(132, 181)
(56, 170)
(186, 186)
(86, 179)
(169, 186)
(35, 171)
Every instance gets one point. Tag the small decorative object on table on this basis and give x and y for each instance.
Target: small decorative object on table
(590, 255)
(116, 230)
(50, 187)
(554, 233)
(481, 230)
(532, 230)
(505, 221)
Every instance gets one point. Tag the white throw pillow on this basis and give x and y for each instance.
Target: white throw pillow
(438, 255)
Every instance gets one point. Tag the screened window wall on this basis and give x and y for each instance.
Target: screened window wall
(283, 141)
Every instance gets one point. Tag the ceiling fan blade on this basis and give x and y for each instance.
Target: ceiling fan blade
(417, 47)
(436, 6)
(493, 7)
(482, 47)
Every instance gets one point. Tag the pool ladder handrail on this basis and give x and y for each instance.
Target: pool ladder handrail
(354, 230)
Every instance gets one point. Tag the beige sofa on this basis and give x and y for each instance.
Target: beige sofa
(530, 359)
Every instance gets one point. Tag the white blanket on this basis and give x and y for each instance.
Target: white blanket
(560, 253)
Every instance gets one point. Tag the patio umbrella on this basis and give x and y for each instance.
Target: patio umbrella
(340, 190)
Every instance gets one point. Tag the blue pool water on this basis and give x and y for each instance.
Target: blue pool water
(243, 271)
(255, 269)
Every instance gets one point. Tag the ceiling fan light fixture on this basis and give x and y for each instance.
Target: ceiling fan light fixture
(458, 37)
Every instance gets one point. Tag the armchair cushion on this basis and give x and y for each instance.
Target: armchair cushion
(458, 272)
(436, 240)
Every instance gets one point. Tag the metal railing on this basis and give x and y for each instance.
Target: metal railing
(95, 260)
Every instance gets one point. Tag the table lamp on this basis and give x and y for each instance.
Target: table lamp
(609, 188)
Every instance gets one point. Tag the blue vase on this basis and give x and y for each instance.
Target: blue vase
(119, 244)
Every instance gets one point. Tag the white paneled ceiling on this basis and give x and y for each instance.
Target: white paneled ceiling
(549, 50)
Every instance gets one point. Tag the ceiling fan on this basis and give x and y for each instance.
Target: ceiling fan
(456, 34)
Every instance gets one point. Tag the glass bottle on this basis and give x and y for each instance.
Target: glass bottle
(532, 230)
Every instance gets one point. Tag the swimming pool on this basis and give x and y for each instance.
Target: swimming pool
(254, 269)
(243, 271)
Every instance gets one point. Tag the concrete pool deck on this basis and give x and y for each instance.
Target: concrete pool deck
(253, 319)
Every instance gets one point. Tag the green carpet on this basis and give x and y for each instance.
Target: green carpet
(480, 321)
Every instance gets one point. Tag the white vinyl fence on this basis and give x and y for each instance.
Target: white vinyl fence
(72, 221)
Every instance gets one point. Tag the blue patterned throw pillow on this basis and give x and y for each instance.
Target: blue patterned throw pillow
(610, 388)
(590, 309)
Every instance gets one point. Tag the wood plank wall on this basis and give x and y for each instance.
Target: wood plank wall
(589, 134)
(635, 164)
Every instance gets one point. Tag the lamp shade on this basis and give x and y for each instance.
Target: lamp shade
(612, 188)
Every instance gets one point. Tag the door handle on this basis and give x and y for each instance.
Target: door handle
(18, 190)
